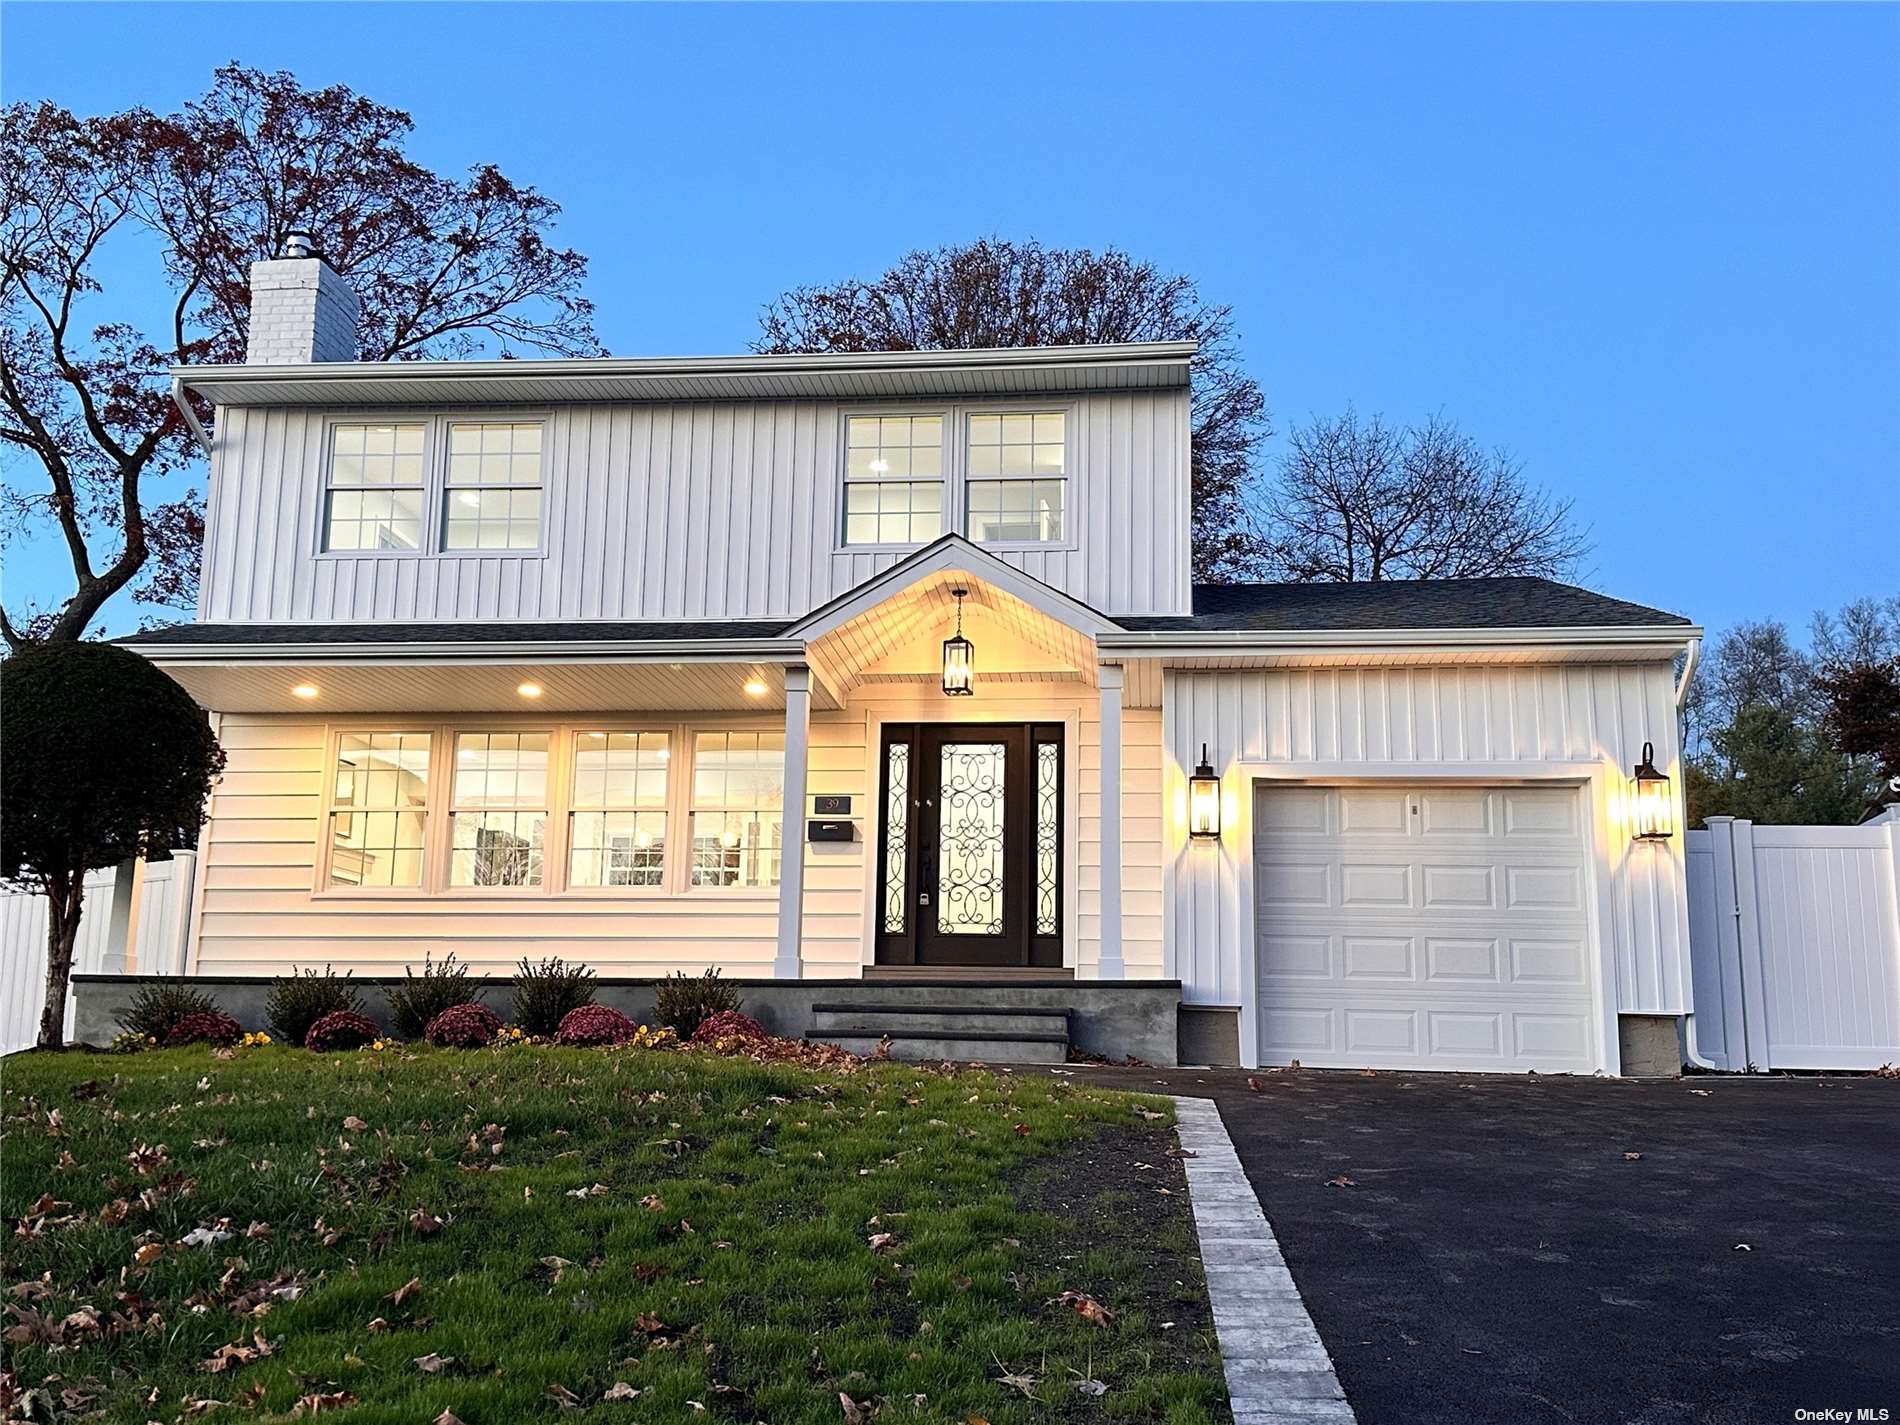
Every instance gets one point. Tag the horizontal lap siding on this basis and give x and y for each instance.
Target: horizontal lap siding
(713, 510)
(1388, 721)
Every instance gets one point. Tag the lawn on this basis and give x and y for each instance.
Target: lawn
(624, 1235)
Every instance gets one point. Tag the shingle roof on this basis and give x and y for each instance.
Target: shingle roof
(240, 635)
(1396, 604)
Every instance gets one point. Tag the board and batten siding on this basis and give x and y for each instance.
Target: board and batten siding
(714, 510)
(1585, 723)
(258, 913)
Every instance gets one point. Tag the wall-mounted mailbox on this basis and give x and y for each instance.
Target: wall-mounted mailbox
(830, 831)
(831, 806)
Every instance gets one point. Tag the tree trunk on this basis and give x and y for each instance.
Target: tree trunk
(65, 895)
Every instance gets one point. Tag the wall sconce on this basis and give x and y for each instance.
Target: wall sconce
(1204, 801)
(959, 658)
(1652, 812)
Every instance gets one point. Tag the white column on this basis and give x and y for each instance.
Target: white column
(1109, 966)
(116, 954)
(791, 875)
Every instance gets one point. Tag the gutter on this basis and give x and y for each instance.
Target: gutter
(1188, 643)
(184, 408)
(1690, 659)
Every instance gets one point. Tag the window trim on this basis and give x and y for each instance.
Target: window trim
(435, 474)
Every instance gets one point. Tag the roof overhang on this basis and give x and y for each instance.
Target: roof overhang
(1252, 648)
(895, 375)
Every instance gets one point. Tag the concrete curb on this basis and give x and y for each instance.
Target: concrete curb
(1278, 1372)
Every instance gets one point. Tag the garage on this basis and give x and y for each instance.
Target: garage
(1423, 927)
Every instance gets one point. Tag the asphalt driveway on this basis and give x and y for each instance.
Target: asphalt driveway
(1478, 1249)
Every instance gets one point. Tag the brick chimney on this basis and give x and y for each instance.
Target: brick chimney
(302, 309)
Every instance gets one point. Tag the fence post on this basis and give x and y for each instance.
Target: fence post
(1891, 817)
(116, 951)
(1726, 935)
(1748, 939)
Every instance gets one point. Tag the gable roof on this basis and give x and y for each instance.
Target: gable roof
(1394, 604)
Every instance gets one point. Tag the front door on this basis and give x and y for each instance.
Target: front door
(970, 844)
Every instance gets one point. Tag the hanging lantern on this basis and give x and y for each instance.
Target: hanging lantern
(1652, 812)
(1204, 801)
(959, 658)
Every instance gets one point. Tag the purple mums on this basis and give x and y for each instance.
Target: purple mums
(728, 1024)
(208, 1026)
(463, 1026)
(595, 1024)
(341, 1029)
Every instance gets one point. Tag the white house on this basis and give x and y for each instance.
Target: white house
(652, 664)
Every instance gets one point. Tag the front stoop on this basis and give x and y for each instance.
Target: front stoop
(1278, 1371)
(945, 1029)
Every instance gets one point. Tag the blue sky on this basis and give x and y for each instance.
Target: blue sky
(1655, 252)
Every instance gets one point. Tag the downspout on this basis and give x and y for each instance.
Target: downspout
(1689, 1050)
(191, 417)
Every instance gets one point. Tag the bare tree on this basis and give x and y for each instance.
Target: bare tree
(444, 267)
(1361, 500)
(996, 292)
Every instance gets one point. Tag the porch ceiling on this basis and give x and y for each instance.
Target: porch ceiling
(618, 688)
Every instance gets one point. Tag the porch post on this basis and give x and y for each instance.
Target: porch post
(791, 872)
(1109, 963)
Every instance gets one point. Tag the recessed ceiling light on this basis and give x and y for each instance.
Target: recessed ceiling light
(529, 690)
(305, 690)
(756, 689)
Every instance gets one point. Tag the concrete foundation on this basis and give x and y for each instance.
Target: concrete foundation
(1210, 1037)
(1650, 1045)
(1113, 1018)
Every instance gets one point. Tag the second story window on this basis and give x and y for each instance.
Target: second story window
(373, 497)
(893, 479)
(1018, 482)
(494, 486)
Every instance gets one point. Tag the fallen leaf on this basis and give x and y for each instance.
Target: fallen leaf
(148, 1254)
(1631, 1157)
(879, 1241)
(649, 1323)
(433, 1364)
(653, 1203)
(318, 1402)
(258, 1229)
(203, 1237)
(620, 1390)
(377, 1327)
(425, 1224)
(404, 1292)
(447, 1417)
(353, 1124)
(1085, 1306)
(562, 1396)
(225, 1357)
(1254, 1084)
(853, 1412)
(1341, 1181)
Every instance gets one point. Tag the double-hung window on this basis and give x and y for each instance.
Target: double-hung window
(379, 807)
(373, 495)
(893, 479)
(499, 809)
(1017, 482)
(493, 498)
(617, 821)
(738, 807)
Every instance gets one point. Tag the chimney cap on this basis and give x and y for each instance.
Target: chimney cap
(300, 244)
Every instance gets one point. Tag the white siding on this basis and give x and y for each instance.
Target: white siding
(1584, 724)
(258, 912)
(688, 511)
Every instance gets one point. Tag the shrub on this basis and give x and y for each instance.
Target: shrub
(156, 1008)
(207, 1026)
(298, 1001)
(341, 1029)
(595, 1024)
(728, 1024)
(463, 1026)
(547, 993)
(683, 1001)
(416, 1002)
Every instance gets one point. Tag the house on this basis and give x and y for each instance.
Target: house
(880, 681)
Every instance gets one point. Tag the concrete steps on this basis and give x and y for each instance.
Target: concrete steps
(945, 1029)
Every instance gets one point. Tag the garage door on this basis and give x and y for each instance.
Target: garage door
(1423, 927)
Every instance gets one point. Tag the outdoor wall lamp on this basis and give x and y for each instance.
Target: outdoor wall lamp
(959, 658)
(1652, 813)
(1204, 801)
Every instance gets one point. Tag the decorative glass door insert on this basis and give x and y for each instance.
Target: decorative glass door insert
(970, 810)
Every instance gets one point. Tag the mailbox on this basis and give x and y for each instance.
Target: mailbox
(830, 831)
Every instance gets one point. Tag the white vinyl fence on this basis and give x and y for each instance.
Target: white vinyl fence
(1794, 938)
(134, 922)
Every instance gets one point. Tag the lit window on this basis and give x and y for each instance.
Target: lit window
(378, 807)
(617, 827)
(500, 808)
(893, 479)
(494, 486)
(373, 500)
(1017, 479)
(738, 807)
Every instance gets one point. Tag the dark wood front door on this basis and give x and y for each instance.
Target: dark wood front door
(970, 844)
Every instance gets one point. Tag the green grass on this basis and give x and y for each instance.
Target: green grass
(746, 1286)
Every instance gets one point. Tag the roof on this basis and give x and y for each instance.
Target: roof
(1000, 371)
(1401, 604)
(1231, 609)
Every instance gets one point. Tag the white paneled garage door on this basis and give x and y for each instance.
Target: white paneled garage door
(1423, 927)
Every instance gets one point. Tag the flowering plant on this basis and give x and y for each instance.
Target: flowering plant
(595, 1024)
(207, 1026)
(463, 1026)
(341, 1029)
(256, 1039)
